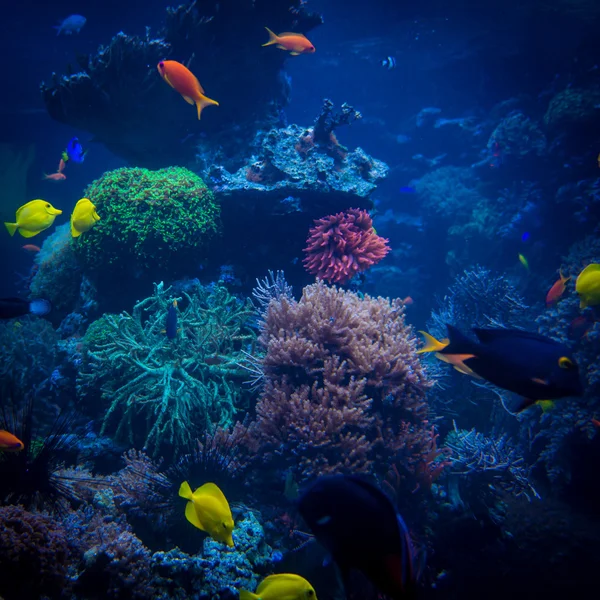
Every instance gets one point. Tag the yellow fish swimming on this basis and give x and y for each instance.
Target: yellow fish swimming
(588, 286)
(209, 511)
(33, 217)
(285, 586)
(456, 360)
(84, 217)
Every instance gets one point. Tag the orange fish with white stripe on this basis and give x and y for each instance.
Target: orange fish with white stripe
(182, 80)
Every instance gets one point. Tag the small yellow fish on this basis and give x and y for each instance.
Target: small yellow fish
(209, 511)
(524, 261)
(33, 217)
(84, 217)
(285, 586)
(588, 286)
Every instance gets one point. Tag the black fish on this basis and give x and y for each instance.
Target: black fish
(171, 325)
(361, 529)
(17, 307)
(529, 364)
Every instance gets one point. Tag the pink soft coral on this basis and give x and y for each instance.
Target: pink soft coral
(342, 245)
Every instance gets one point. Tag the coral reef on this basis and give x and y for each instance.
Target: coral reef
(151, 222)
(573, 109)
(35, 554)
(119, 97)
(163, 393)
(342, 386)
(342, 245)
(570, 420)
(519, 137)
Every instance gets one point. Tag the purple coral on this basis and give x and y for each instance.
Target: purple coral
(344, 390)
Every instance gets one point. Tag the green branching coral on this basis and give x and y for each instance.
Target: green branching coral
(149, 220)
(164, 393)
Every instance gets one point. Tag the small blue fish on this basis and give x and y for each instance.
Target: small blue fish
(406, 189)
(70, 25)
(171, 325)
(525, 237)
(75, 151)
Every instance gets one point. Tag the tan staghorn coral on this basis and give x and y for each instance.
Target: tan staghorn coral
(344, 390)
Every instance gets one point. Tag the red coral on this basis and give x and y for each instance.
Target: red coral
(305, 143)
(342, 245)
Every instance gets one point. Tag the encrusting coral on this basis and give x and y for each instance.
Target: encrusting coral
(343, 388)
(165, 392)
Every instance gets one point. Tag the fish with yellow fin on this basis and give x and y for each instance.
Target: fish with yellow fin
(33, 218)
(283, 586)
(209, 511)
(84, 217)
(456, 360)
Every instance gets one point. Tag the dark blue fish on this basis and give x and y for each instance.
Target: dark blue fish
(171, 325)
(16, 307)
(525, 237)
(406, 189)
(359, 526)
(75, 151)
(529, 364)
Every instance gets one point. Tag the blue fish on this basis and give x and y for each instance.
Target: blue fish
(525, 237)
(171, 325)
(72, 24)
(406, 189)
(75, 151)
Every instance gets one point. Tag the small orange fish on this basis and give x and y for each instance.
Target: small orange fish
(31, 248)
(408, 301)
(557, 290)
(182, 80)
(295, 43)
(596, 422)
(61, 165)
(9, 442)
(56, 177)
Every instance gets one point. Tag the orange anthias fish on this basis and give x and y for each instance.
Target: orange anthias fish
(295, 43)
(182, 80)
(31, 248)
(557, 290)
(9, 442)
(61, 165)
(56, 177)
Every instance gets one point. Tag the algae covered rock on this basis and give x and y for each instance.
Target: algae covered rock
(149, 221)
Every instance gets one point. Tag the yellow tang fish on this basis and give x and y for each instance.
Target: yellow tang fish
(33, 217)
(84, 217)
(285, 586)
(209, 511)
(588, 286)
(524, 261)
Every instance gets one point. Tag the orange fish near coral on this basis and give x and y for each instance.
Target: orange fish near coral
(32, 248)
(9, 442)
(56, 177)
(557, 290)
(61, 165)
(295, 43)
(182, 80)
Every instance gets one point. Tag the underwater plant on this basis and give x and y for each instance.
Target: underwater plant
(343, 386)
(150, 221)
(163, 392)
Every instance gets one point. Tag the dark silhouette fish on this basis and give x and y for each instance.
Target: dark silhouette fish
(11, 308)
(361, 529)
(529, 364)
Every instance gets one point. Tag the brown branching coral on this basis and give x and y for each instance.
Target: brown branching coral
(344, 390)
